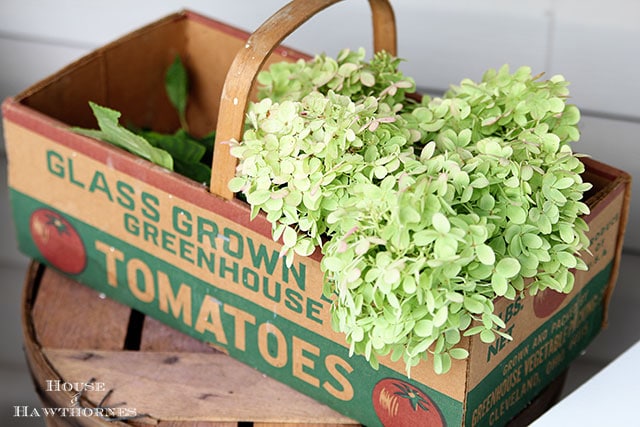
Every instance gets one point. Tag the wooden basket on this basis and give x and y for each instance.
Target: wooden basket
(73, 334)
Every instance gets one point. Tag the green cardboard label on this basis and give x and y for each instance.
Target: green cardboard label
(284, 350)
(221, 281)
(526, 371)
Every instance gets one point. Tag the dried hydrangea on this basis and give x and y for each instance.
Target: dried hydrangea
(425, 212)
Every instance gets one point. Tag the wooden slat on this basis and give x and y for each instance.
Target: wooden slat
(304, 425)
(41, 368)
(69, 315)
(157, 336)
(197, 424)
(189, 387)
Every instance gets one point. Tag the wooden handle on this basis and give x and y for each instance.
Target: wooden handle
(249, 61)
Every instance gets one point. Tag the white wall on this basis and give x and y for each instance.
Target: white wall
(594, 44)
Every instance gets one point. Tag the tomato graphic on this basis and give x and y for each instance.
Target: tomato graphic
(57, 240)
(546, 302)
(400, 404)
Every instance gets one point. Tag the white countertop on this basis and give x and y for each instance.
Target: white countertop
(610, 398)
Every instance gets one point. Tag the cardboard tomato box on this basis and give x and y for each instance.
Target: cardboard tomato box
(168, 247)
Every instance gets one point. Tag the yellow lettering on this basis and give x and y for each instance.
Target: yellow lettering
(112, 255)
(210, 309)
(280, 358)
(135, 266)
(181, 302)
(345, 393)
(300, 361)
(241, 319)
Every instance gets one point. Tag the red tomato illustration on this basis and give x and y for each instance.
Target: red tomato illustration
(57, 240)
(400, 404)
(546, 302)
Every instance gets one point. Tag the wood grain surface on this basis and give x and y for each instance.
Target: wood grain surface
(75, 335)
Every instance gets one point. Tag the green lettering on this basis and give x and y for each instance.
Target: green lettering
(300, 275)
(209, 229)
(99, 182)
(150, 209)
(293, 300)
(72, 179)
(168, 241)
(236, 250)
(261, 257)
(313, 309)
(206, 259)
(150, 233)
(125, 195)
(493, 350)
(181, 221)
(250, 279)
(186, 250)
(234, 269)
(55, 164)
(131, 224)
(275, 297)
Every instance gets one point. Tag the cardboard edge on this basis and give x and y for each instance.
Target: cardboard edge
(621, 182)
(467, 383)
(184, 14)
(282, 50)
(26, 93)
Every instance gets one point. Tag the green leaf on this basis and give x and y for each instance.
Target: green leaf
(487, 336)
(112, 132)
(508, 267)
(332, 263)
(424, 328)
(440, 318)
(180, 145)
(485, 254)
(499, 284)
(408, 214)
(258, 197)
(516, 214)
(441, 363)
(367, 79)
(472, 305)
(473, 331)
(459, 353)
(571, 115)
(532, 241)
(441, 223)
(198, 172)
(305, 247)
(567, 259)
(391, 276)
(290, 237)
(177, 88)
(480, 182)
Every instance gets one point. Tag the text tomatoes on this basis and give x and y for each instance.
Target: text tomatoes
(57, 240)
(400, 404)
(546, 302)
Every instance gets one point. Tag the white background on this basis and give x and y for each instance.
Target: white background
(594, 44)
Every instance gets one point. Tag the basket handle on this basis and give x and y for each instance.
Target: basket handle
(248, 62)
